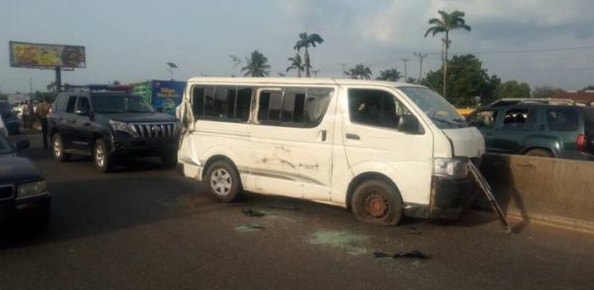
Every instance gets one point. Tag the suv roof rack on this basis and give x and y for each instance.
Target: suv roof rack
(95, 87)
(549, 101)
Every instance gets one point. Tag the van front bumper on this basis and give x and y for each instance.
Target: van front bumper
(449, 199)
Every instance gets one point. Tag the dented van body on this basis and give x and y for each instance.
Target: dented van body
(380, 149)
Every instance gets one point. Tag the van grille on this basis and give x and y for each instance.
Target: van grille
(155, 130)
(6, 192)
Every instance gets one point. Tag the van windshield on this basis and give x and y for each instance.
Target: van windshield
(441, 112)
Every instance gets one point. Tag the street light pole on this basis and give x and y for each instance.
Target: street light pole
(420, 56)
(405, 60)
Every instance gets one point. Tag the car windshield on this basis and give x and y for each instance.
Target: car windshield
(120, 103)
(441, 112)
(5, 147)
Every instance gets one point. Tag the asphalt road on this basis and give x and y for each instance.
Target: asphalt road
(145, 227)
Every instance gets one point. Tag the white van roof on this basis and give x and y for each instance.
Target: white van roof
(295, 81)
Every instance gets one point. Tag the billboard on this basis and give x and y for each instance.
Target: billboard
(38, 55)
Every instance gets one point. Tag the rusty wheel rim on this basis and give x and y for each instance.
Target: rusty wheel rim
(376, 205)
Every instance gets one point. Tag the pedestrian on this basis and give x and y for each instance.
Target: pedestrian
(26, 116)
(43, 109)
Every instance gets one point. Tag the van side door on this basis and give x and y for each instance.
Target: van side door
(376, 141)
(292, 142)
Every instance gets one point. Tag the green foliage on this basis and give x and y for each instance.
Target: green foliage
(467, 79)
(512, 89)
(391, 74)
(360, 71)
(305, 41)
(444, 24)
(545, 92)
(256, 65)
(296, 64)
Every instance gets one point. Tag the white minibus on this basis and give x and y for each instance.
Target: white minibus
(380, 149)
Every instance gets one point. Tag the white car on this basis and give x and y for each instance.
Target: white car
(3, 129)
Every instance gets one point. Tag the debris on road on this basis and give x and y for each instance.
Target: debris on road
(252, 213)
(415, 254)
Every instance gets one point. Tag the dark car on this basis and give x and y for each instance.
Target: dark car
(10, 118)
(23, 187)
(537, 129)
(110, 124)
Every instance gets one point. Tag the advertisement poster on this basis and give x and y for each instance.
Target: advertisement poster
(37, 55)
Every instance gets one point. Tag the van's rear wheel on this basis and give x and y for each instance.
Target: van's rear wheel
(377, 202)
(223, 181)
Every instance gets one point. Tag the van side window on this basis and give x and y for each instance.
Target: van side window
(374, 108)
(293, 107)
(222, 103)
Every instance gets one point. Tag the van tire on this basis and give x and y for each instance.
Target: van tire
(377, 202)
(223, 181)
(540, 153)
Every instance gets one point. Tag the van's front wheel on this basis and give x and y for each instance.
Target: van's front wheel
(377, 202)
(223, 181)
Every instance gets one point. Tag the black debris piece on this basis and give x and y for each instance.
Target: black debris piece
(252, 213)
(412, 254)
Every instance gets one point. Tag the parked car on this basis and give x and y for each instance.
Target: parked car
(537, 128)
(23, 188)
(110, 124)
(11, 121)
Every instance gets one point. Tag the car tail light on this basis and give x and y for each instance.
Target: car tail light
(581, 142)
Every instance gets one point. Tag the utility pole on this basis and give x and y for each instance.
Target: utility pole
(405, 60)
(420, 56)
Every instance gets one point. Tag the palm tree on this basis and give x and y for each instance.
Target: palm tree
(391, 74)
(360, 71)
(256, 66)
(448, 21)
(296, 64)
(305, 40)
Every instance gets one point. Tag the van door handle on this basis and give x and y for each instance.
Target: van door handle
(352, 136)
(324, 135)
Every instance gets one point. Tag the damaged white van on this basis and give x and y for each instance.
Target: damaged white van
(380, 149)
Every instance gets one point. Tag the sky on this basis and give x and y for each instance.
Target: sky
(540, 42)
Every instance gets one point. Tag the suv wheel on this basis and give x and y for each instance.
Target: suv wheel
(58, 148)
(539, 153)
(101, 157)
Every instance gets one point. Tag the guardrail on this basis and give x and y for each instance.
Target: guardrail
(555, 191)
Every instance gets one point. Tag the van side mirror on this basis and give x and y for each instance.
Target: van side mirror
(409, 124)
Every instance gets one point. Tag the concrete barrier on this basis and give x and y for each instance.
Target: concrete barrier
(555, 191)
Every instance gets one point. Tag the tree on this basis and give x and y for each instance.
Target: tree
(545, 92)
(256, 65)
(512, 89)
(447, 22)
(391, 74)
(469, 80)
(360, 71)
(305, 40)
(296, 64)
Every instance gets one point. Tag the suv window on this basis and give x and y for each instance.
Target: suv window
(515, 119)
(70, 104)
(562, 119)
(484, 118)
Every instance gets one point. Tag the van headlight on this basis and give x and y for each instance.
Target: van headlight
(123, 127)
(31, 189)
(455, 168)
